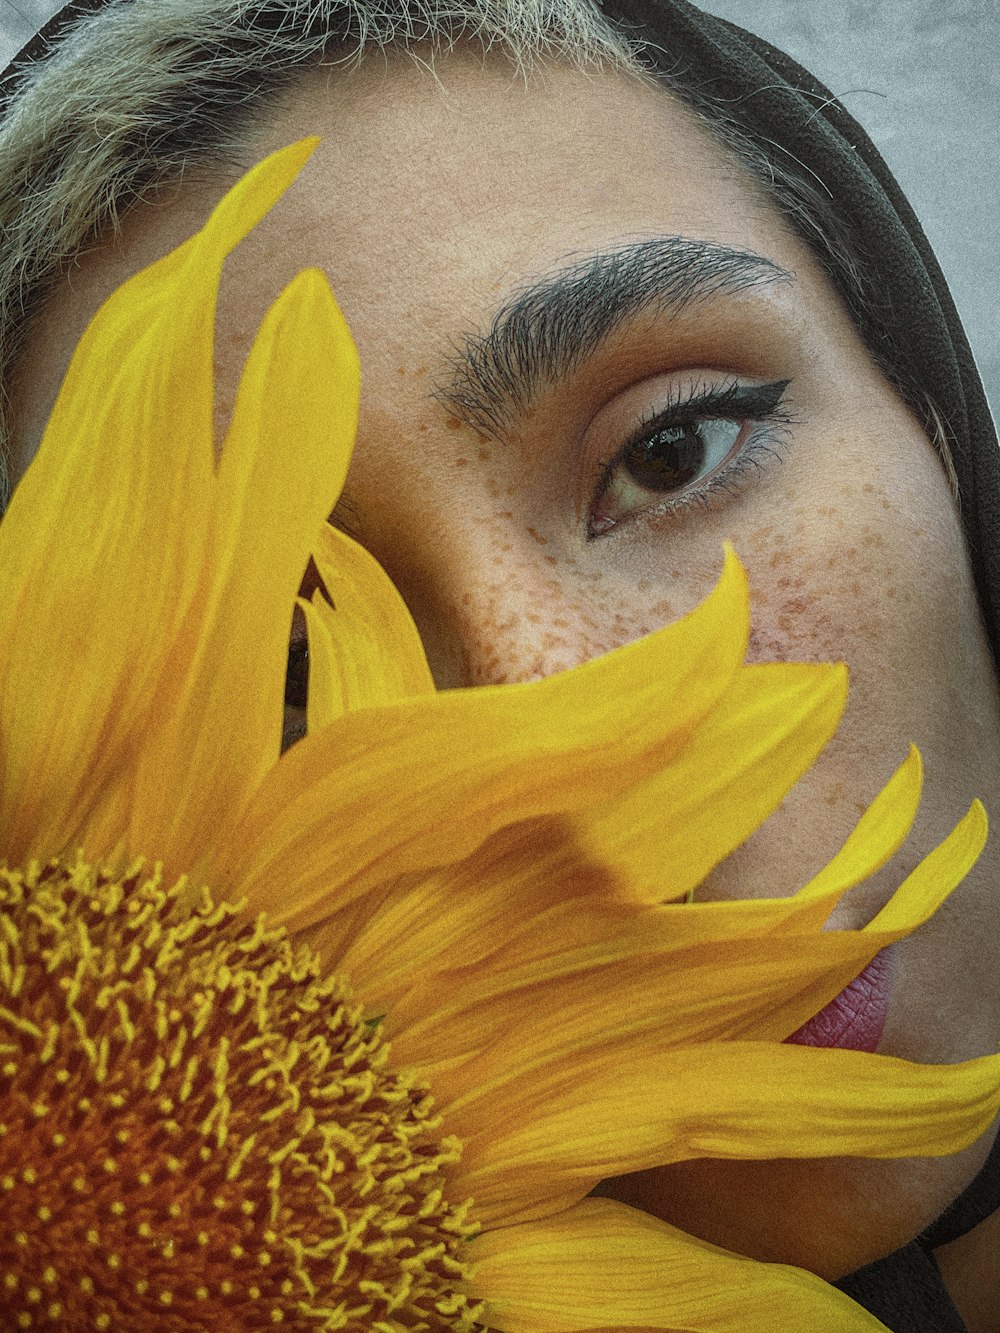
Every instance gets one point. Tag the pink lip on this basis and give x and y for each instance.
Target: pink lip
(855, 1019)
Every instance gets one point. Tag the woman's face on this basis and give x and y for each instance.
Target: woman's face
(540, 500)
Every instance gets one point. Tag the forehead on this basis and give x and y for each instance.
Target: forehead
(453, 186)
(434, 197)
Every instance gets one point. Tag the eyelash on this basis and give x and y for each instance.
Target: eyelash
(736, 402)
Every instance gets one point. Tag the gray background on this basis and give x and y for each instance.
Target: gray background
(922, 77)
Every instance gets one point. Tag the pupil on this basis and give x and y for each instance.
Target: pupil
(669, 459)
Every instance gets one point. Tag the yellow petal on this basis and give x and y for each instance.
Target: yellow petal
(663, 836)
(605, 1266)
(531, 885)
(877, 836)
(543, 1138)
(570, 879)
(423, 783)
(430, 924)
(525, 934)
(936, 876)
(564, 1005)
(686, 971)
(371, 646)
(914, 902)
(218, 719)
(106, 535)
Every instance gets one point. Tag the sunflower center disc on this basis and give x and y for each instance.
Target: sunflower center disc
(198, 1131)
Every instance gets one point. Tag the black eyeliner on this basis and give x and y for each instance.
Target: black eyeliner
(735, 401)
(753, 401)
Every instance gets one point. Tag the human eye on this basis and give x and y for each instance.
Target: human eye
(696, 443)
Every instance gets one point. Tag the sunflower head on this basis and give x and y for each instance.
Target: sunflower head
(197, 1127)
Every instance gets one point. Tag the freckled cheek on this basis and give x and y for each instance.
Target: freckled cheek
(528, 618)
(873, 576)
(807, 617)
(496, 596)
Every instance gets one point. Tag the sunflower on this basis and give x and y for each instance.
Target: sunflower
(367, 1078)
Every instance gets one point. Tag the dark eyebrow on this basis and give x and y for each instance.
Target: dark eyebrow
(553, 323)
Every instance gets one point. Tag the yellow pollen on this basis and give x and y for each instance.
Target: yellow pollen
(177, 1048)
(24, 1319)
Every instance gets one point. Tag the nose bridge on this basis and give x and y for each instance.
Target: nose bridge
(495, 608)
(500, 584)
(487, 618)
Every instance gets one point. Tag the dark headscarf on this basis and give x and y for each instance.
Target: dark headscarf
(781, 103)
(916, 329)
(912, 326)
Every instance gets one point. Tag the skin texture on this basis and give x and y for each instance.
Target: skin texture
(429, 201)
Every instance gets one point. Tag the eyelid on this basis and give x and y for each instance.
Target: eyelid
(733, 400)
